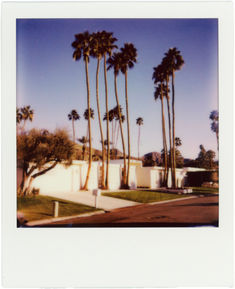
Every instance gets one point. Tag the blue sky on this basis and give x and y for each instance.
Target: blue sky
(53, 84)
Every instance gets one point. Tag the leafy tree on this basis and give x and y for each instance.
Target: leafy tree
(73, 116)
(82, 48)
(205, 158)
(214, 116)
(40, 151)
(128, 58)
(139, 122)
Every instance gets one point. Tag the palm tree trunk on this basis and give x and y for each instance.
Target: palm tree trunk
(107, 112)
(100, 123)
(115, 132)
(164, 140)
(89, 125)
(73, 130)
(128, 130)
(116, 141)
(120, 125)
(217, 137)
(170, 132)
(173, 128)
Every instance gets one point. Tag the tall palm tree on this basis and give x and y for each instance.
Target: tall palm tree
(128, 58)
(73, 116)
(115, 62)
(158, 77)
(108, 46)
(27, 114)
(82, 48)
(214, 116)
(166, 90)
(158, 94)
(97, 52)
(139, 122)
(175, 61)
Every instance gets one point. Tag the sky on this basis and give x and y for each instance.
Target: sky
(53, 84)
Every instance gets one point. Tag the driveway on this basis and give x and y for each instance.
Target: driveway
(101, 202)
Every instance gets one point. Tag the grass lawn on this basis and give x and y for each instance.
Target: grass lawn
(144, 196)
(41, 207)
(204, 190)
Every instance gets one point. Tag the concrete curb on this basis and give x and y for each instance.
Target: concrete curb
(174, 200)
(53, 220)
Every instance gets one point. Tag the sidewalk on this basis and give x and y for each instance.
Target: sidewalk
(100, 202)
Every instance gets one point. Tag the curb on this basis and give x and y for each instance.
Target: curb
(174, 200)
(53, 220)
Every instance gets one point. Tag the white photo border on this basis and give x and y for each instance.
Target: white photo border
(116, 257)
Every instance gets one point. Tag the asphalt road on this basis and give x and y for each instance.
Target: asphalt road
(199, 211)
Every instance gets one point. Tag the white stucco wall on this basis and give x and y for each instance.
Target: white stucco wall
(67, 179)
(151, 177)
(132, 178)
(115, 176)
(143, 176)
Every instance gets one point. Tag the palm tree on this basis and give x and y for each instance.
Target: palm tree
(174, 62)
(97, 52)
(139, 122)
(108, 46)
(128, 58)
(82, 46)
(122, 120)
(178, 142)
(18, 119)
(115, 62)
(86, 117)
(214, 116)
(73, 115)
(158, 77)
(84, 141)
(27, 114)
(166, 91)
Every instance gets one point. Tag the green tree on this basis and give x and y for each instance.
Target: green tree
(73, 116)
(128, 58)
(39, 151)
(205, 158)
(82, 48)
(139, 122)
